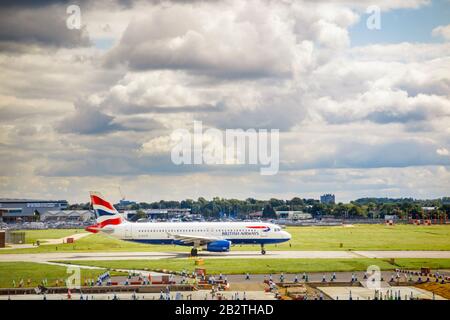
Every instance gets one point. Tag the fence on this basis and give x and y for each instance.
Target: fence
(2, 238)
(15, 237)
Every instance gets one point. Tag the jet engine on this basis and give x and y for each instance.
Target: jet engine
(218, 246)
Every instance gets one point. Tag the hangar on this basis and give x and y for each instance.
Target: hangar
(12, 210)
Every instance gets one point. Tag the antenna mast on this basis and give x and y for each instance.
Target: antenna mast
(121, 194)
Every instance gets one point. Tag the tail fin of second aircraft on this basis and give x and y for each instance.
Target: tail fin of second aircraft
(105, 213)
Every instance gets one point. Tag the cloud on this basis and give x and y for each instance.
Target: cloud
(384, 106)
(44, 26)
(442, 152)
(356, 121)
(228, 39)
(442, 31)
(87, 119)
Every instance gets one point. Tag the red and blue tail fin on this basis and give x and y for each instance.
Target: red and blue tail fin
(105, 213)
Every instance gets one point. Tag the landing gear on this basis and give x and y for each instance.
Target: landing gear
(194, 252)
(263, 252)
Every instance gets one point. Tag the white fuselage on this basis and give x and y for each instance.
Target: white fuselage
(169, 232)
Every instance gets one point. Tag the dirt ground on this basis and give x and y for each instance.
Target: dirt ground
(247, 286)
(441, 289)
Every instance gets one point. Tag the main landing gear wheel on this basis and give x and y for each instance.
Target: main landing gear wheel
(194, 252)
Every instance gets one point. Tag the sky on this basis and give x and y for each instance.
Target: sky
(360, 112)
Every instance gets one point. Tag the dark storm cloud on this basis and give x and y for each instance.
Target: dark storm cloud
(88, 120)
(44, 26)
(393, 116)
(33, 3)
(124, 3)
(143, 109)
(358, 155)
(15, 112)
(393, 154)
(351, 155)
(281, 115)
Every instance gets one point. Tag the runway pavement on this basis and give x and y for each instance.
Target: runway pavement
(44, 257)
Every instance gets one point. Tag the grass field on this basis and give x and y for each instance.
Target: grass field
(31, 236)
(357, 237)
(37, 272)
(266, 266)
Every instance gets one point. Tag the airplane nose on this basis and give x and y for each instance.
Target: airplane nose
(287, 235)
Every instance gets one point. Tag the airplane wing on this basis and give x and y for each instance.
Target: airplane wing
(194, 239)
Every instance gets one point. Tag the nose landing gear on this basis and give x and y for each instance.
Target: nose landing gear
(263, 252)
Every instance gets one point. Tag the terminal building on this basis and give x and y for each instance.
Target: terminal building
(163, 214)
(328, 199)
(12, 210)
(293, 215)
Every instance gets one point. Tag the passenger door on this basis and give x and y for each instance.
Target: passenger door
(128, 234)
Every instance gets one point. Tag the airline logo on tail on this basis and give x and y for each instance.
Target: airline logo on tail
(104, 211)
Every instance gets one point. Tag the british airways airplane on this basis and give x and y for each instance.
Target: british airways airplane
(209, 236)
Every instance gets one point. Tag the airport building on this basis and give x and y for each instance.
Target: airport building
(328, 199)
(163, 214)
(12, 210)
(124, 205)
(67, 215)
(293, 215)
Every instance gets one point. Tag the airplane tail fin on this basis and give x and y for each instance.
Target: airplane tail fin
(105, 213)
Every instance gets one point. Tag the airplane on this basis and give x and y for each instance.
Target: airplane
(208, 236)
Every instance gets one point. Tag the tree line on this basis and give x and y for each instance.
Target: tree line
(361, 208)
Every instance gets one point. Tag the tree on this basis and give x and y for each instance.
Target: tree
(446, 209)
(268, 212)
(296, 201)
(275, 203)
(140, 215)
(356, 211)
(318, 208)
(416, 212)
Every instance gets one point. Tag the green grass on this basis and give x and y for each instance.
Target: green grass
(370, 237)
(266, 266)
(409, 263)
(358, 237)
(32, 236)
(37, 272)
